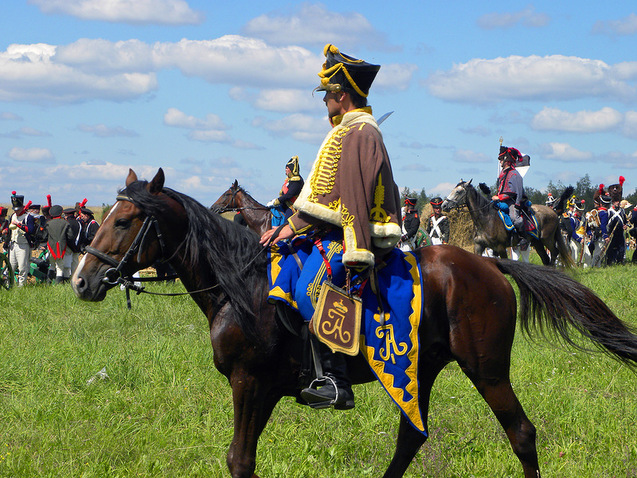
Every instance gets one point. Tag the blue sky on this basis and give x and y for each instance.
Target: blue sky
(217, 91)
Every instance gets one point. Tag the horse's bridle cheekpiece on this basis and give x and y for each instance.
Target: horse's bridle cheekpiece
(113, 276)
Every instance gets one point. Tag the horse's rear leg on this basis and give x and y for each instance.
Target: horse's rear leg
(500, 396)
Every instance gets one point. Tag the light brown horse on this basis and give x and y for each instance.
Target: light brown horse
(491, 233)
(468, 315)
(257, 216)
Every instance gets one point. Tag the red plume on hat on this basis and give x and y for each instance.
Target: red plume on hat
(48, 200)
(83, 203)
(616, 191)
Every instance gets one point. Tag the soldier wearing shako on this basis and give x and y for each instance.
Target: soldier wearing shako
(575, 238)
(22, 227)
(411, 223)
(598, 224)
(438, 224)
(349, 205)
(617, 224)
(291, 188)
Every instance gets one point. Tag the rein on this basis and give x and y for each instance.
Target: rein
(456, 205)
(113, 276)
(226, 208)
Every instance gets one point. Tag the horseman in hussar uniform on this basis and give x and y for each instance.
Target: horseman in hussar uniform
(290, 190)
(350, 208)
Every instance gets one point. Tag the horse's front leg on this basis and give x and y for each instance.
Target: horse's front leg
(253, 405)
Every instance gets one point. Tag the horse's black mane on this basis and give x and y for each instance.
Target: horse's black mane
(215, 243)
(483, 202)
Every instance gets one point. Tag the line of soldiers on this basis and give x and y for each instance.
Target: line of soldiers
(61, 234)
(599, 237)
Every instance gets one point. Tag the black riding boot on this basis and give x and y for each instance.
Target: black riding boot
(336, 389)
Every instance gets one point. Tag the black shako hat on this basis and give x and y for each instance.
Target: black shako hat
(17, 201)
(56, 210)
(343, 72)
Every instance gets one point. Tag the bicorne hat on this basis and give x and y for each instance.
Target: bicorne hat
(411, 201)
(342, 72)
(293, 164)
(436, 202)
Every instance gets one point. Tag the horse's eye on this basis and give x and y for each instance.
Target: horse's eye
(122, 223)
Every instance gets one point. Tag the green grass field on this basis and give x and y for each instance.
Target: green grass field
(160, 408)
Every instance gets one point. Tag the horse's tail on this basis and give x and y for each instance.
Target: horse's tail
(549, 299)
(566, 194)
(564, 252)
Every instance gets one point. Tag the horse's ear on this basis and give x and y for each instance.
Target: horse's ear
(470, 181)
(131, 178)
(235, 184)
(157, 184)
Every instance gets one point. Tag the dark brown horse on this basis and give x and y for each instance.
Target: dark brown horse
(257, 216)
(468, 314)
(491, 233)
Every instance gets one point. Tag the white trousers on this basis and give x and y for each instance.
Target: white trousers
(20, 260)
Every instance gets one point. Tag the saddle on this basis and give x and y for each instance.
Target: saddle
(530, 224)
(390, 311)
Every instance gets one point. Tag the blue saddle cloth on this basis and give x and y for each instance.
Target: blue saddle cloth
(531, 226)
(389, 326)
(278, 217)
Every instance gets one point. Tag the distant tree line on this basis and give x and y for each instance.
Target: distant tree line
(584, 189)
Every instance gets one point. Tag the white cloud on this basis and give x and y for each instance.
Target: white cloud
(394, 77)
(526, 17)
(625, 26)
(288, 101)
(554, 77)
(31, 73)
(553, 119)
(630, 125)
(309, 129)
(8, 116)
(564, 152)
(468, 156)
(103, 131)
(166, 12)
(179, 119)
(442, 189)
(90, 69)
(313, 24)
(237, 60)
(210, 136)
(30, 155)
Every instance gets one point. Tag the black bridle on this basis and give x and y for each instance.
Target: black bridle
(114, 275)
(454, 204)
(219, 209)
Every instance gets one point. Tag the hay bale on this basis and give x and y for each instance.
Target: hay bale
(461, 229)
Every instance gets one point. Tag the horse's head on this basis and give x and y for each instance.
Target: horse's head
(457, 197)
(129, 239)
(233, 199)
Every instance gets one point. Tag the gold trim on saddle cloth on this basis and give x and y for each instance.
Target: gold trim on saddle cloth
(337, 319)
